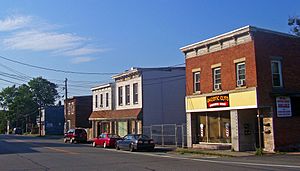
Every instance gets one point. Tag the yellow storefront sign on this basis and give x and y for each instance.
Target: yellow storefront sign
(237, 100)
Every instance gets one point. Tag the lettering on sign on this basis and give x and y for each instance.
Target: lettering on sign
(217, 101)
(283, 106)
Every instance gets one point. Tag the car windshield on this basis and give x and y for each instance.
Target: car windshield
(140, 136)
(79, 131)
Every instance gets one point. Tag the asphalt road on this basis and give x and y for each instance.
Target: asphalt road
(33, 153)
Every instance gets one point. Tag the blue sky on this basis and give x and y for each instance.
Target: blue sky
(107, 36)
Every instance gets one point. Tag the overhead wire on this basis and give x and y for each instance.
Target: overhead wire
(58, 70)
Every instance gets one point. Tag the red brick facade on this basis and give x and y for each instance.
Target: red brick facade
(228, 69)
(267, 45)
(258, 53)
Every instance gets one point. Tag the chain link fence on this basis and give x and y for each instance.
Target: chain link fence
(167, 134)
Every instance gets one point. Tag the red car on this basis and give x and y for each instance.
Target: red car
(75, 135)
(106, 140)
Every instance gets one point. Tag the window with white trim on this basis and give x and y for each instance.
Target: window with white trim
(240, 74)
(217, 78)
(96, 101)
(196, 78)
(120, 95)
(106, 99)
(127, 93)
(101, 100)
(276, 73)
(135, 93)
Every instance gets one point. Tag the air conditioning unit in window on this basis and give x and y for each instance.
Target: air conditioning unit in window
(240, 83)
(217, 87)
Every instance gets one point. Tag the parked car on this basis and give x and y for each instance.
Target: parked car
(75, 135)
(106, 140)
(134, 142)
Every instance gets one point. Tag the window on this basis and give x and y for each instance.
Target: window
(96, 101)
(276, 73)
(217, 78)
(240, 74)
(196, 76)
(127, 92)
(101, 100)
(120, 93)
(135, 93)
(106, 99)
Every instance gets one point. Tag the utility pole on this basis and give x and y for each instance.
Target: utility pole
(66, 102)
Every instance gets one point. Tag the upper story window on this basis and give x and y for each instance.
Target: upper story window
(135, 93)
(120, 95)
(240, 74)
(127, 93)
(106, 99)
(196, 78)
(217, 78)
(276, 73)
(96, 101)
(101, 100)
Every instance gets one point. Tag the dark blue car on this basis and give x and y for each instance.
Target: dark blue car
(135, 142)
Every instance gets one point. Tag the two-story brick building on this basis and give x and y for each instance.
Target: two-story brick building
(77, 112)
(139, 97)
(242, 88)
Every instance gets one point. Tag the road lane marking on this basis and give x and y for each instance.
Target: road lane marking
(60, 150)
(213, 161)
(50, 148)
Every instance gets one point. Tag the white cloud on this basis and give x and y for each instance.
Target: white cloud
(41, 41)
(32, 33)
(83, 51)
(14, 22)
(78, 60)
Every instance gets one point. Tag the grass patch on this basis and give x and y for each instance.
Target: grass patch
(202, 152)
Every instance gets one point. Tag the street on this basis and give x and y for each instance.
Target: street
(19, 152)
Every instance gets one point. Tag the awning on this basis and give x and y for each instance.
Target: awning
(115, 114)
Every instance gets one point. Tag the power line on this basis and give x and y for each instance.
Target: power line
(58, 70)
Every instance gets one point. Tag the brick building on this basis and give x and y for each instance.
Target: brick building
(242, 88)
(78, 112)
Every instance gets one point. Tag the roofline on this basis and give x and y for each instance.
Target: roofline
(241, 30)
(74, 97)
(102, 86)
(134, 70)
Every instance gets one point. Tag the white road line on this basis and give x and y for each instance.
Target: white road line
(212, 161)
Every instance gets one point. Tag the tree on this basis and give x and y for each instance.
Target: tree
(43, 91)
(294, 23)
(21, 104)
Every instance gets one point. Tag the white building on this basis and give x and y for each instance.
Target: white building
(139, 97)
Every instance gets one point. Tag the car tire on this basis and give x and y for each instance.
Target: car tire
(131, 148)
(94, 144)
(117, 147)
(72, 141)
(104, 145)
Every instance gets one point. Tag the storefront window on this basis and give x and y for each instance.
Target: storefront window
(214, 127)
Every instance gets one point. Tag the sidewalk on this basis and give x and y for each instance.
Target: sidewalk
(202, 152)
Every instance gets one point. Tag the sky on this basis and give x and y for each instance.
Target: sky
(109, 36)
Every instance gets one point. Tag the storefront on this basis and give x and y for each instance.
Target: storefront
(121, 122)
(223, 121)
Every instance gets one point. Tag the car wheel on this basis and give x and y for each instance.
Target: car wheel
(65, 140)
(72, 141)
(104, 145)
(94, 144)
(117, 147)
(131, 148)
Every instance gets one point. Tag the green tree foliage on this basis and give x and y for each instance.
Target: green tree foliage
(21, 103)
(294, 23)
(44, 92)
